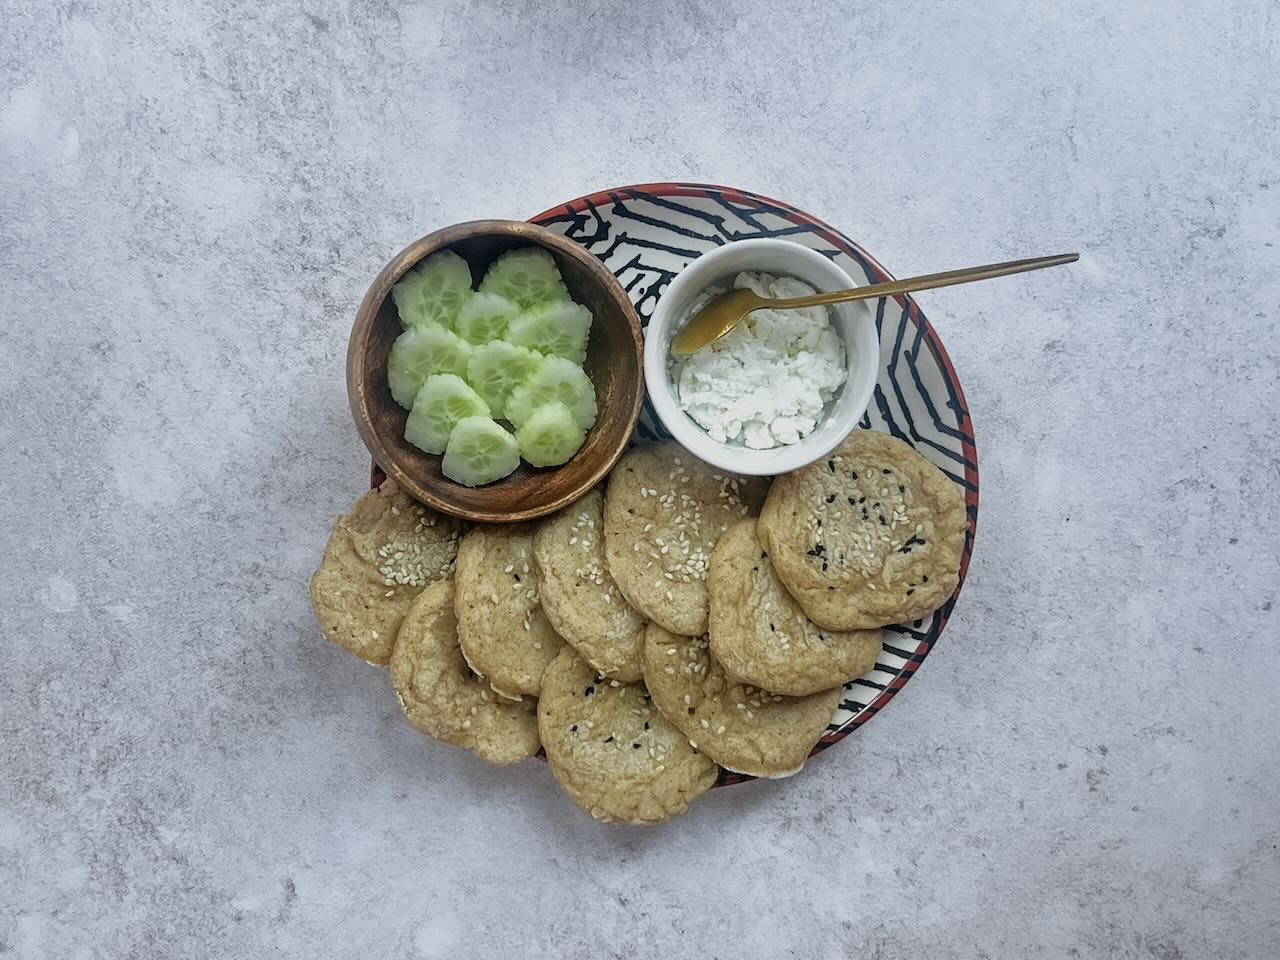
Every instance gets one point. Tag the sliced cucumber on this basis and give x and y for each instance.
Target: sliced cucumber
(479, 452)
(558, 328)
(443, 400)
(555, 378)
(496, 368)
(433, 291)
(420, 352)
(485, 317)
(527, 276)
(549, 435)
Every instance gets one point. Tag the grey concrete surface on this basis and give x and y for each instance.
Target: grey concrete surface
(193, 197)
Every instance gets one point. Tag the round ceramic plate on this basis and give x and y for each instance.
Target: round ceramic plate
(648, 233)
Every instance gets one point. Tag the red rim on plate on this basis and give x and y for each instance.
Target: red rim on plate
(648, 245)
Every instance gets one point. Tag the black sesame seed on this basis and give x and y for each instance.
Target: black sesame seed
(901, 488)
(886, 471)
(831, 498)
(574, 728)
(635, 745)
(646, 724)
(589, 691)
(824, 566)
(773, 628)
(864, 513)
(910, 592)
(517, 576)
(763, 555)
(755, 569)
(926, 578)
(610, 740)
(882, 520)
(831, 465)
(850, 499)
(854, 474)
(862, 499)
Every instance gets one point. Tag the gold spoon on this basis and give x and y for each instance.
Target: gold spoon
(726, 311)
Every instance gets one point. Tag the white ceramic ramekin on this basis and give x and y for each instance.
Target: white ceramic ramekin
(853, 322)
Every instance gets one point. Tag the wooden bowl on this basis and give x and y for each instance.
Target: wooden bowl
(613, 363)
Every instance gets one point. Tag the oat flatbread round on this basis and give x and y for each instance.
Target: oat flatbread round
(760, 635)
(379, 557)
(578, 593)
(740, 727)
(440, 694)
(503, 632)
(612, 752)
(869, 536)
(664, 511)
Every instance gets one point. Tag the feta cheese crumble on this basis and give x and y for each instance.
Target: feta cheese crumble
(765, 383)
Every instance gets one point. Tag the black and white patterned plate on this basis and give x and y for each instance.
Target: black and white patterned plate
(648, 233)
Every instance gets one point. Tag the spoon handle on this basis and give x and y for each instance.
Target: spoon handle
(929, 281)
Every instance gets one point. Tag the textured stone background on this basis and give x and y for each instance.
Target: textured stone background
(193, 198)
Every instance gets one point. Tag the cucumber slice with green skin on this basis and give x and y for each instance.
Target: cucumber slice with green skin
(527, 276)
(433, 291)
(485, 317)
(420, 352)
(497, 368)
(443, 401)
(554, 379)
(479, 452)
(559, 328)
(549, 435)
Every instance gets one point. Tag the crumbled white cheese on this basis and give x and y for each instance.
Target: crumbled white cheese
(766, 381)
